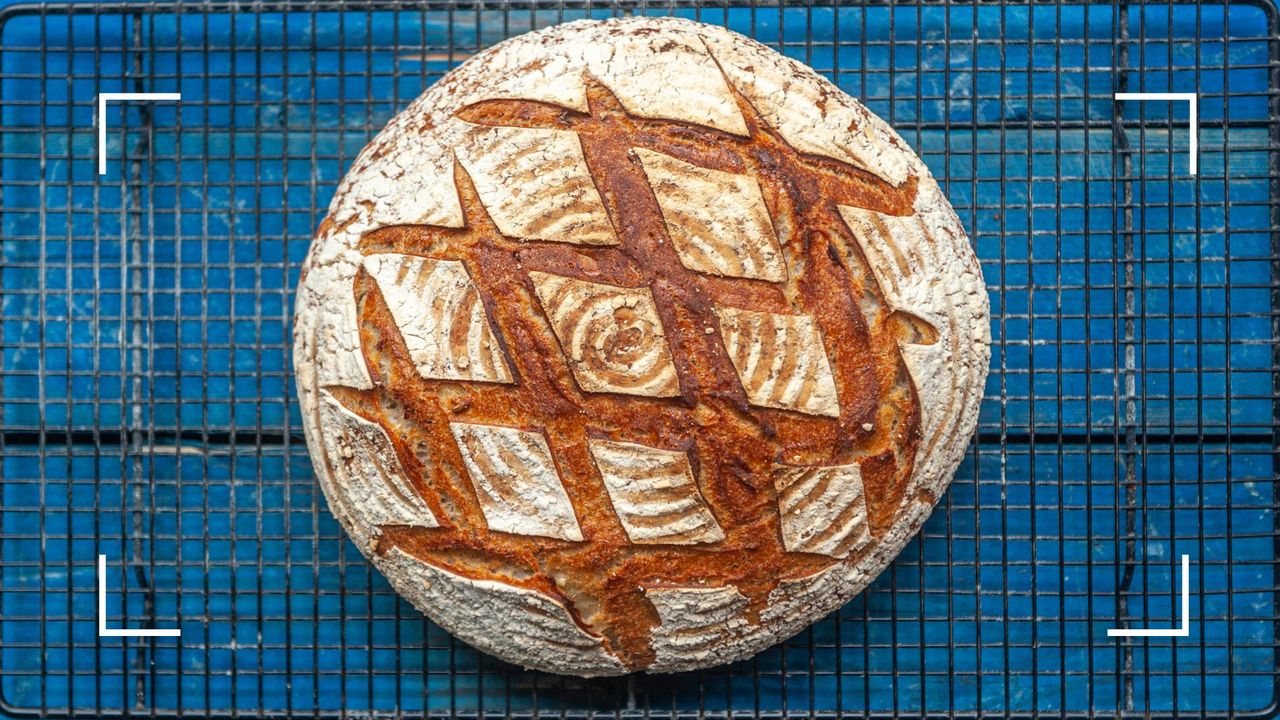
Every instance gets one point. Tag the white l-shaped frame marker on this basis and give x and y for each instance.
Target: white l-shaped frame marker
(103, 630)
(103, 99)
(1195, 118)
(1184, 627)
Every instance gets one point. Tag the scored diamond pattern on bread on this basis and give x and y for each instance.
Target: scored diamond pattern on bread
(678, 355)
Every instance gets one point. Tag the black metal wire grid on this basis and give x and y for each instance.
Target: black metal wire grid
(1131, 415)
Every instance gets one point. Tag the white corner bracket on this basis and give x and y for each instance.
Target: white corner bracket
(1184, 627)
(103, 99)
(103, 630)
(1195, 117)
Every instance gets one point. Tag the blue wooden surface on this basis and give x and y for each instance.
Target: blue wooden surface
(1001, 606)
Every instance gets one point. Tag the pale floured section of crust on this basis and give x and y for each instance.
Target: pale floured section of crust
(518, 625)
(671, 77)
(400, 183)
(532, 71)
(327, 329)
(654, 494)
(369, 480)
(611, 335)
(821, 509)
(717, 221)
(810, 113)
(440, 316)
(924, 266)
(709, 626)
(536, 185)
(780, 360)
(695, 625)
(516, 481)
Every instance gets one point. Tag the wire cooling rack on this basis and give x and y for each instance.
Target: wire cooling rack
(1130, 416)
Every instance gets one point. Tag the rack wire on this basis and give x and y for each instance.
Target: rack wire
(1131, 415)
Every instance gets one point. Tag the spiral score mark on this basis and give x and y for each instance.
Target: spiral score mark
(611, 335)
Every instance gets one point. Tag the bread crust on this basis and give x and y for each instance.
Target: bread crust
(701, 344)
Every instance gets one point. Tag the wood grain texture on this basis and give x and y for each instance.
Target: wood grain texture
(820, 390)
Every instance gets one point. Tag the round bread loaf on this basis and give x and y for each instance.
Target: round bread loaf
(635, 345)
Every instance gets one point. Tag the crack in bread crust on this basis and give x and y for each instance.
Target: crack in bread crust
(606, 582)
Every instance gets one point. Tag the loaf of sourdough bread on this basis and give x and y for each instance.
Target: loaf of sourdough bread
(635, 345)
